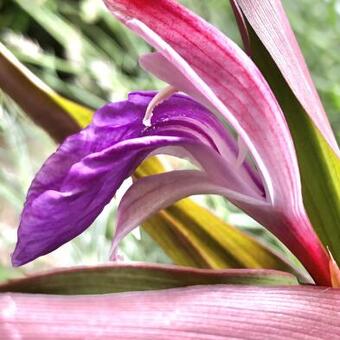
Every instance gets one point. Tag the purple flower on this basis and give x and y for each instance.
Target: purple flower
(77, 181)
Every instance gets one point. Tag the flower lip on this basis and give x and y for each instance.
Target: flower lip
(88, 168)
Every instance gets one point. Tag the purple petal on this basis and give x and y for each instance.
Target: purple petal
(150, 194)
(83, 175)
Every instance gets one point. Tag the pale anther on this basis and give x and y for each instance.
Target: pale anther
(156, 100)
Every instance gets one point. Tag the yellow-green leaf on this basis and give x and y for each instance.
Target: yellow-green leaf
(58, 116)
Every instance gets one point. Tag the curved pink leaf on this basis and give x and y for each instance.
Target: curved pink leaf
(205, 312)
(269, 20)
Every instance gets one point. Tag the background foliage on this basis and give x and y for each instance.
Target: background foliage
(82, 52)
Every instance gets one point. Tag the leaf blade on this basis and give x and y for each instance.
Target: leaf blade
(319, 165)
(207, 241)
(268, 19)
(203, 312)
(124, 277)
(35, 97)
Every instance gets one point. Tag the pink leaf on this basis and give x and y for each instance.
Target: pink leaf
(204, 312)
(198, 59)
(268, 19)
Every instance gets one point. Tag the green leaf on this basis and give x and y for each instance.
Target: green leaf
(41, 103)
(319, 166)
(276, 52)
(137, 277)
(9, 273)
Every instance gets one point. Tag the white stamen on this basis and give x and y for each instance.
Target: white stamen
(242, 152)
(159, 98)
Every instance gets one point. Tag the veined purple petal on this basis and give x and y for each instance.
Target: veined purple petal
(83, 175)
(150, 194)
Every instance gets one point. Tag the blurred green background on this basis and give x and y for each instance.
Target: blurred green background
(77, 48)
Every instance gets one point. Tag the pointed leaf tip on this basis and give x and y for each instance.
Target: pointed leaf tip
(335, 272)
